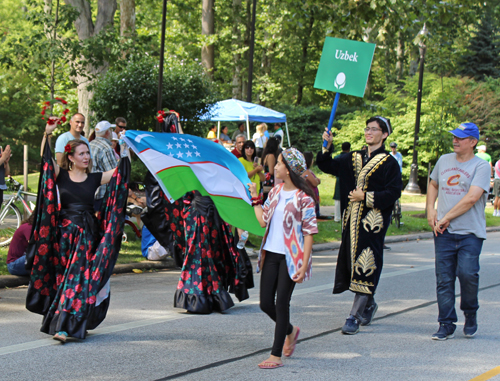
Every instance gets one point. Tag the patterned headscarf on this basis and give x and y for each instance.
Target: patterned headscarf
(295, 160)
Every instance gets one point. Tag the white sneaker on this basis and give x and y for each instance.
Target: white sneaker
(495, 213)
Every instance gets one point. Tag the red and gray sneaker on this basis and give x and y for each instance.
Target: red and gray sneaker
(446, 331)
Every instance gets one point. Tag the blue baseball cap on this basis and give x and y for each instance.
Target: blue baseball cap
(466, 130)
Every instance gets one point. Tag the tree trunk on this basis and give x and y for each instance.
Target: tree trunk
(267, 52)
(415, 59)
(85, 29)
(246, 44)
(127, 18)
(208, 29)
(400, 54)
(47, 6)
(236, 84)
(303, 62)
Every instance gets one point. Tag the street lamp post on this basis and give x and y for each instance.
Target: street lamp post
(162, 58)
(251, 50)
(412, 186)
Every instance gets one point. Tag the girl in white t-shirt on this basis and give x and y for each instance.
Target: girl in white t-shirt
(290, 221)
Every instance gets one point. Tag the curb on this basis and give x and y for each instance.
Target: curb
(391, 239)
(16, 281)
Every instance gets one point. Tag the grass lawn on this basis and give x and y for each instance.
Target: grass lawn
(327, 189)
(32, 181)
(330, 231)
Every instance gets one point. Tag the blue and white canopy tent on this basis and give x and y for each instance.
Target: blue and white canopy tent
(234, 110)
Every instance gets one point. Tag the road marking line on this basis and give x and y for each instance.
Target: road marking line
(170, 316)
(101, 331)
(384, 275)
(486, 376)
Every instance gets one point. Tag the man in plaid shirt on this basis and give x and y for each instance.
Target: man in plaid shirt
(103, 157)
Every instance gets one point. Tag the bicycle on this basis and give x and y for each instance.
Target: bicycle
(10, 215)
(396, 215)
(132, 210)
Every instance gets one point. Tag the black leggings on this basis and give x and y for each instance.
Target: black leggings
(275, 281)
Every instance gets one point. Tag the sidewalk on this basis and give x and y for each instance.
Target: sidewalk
(408, 207)
(15, 281)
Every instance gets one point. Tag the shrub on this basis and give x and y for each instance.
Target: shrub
(131, 92)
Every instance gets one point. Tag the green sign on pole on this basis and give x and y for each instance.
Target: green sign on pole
(344, 66)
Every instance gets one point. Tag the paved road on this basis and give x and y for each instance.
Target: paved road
(144, 338)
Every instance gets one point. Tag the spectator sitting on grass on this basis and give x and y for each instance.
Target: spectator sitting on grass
(17, 248)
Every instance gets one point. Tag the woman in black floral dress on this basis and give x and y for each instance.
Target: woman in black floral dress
(75, 250)
(212, 263)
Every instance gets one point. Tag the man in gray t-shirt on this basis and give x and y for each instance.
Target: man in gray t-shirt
(460, 181)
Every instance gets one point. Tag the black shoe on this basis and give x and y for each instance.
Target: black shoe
(368, 314)
(386, 247)
(351, 326)
(470, 326)
(446, 331)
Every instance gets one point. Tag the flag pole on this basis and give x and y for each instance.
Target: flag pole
(332, 117)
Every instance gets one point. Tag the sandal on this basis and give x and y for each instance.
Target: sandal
(270, 365)
(61, 336)
(292, 346)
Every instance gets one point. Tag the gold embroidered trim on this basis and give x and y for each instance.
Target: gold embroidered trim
(356, 211)
(362, 175)
(368, 170)
(346, 215)
(359, 288)
(365, 262)
(373, 221)
(381, 160)
(357, 164)
(370, 199)
(354, 281)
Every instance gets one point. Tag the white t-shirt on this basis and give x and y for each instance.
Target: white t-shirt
(260, 141)
(275, 241)
(280, 133)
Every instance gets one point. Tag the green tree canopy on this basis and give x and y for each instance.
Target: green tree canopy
(482, 58)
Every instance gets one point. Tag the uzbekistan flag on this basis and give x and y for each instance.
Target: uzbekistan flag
(183, 163)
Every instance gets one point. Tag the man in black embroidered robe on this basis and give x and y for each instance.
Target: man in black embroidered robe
(370, 183)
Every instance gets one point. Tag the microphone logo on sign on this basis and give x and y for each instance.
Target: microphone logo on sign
(340, 80)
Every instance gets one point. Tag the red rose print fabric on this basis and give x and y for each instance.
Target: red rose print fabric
(213, 266)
